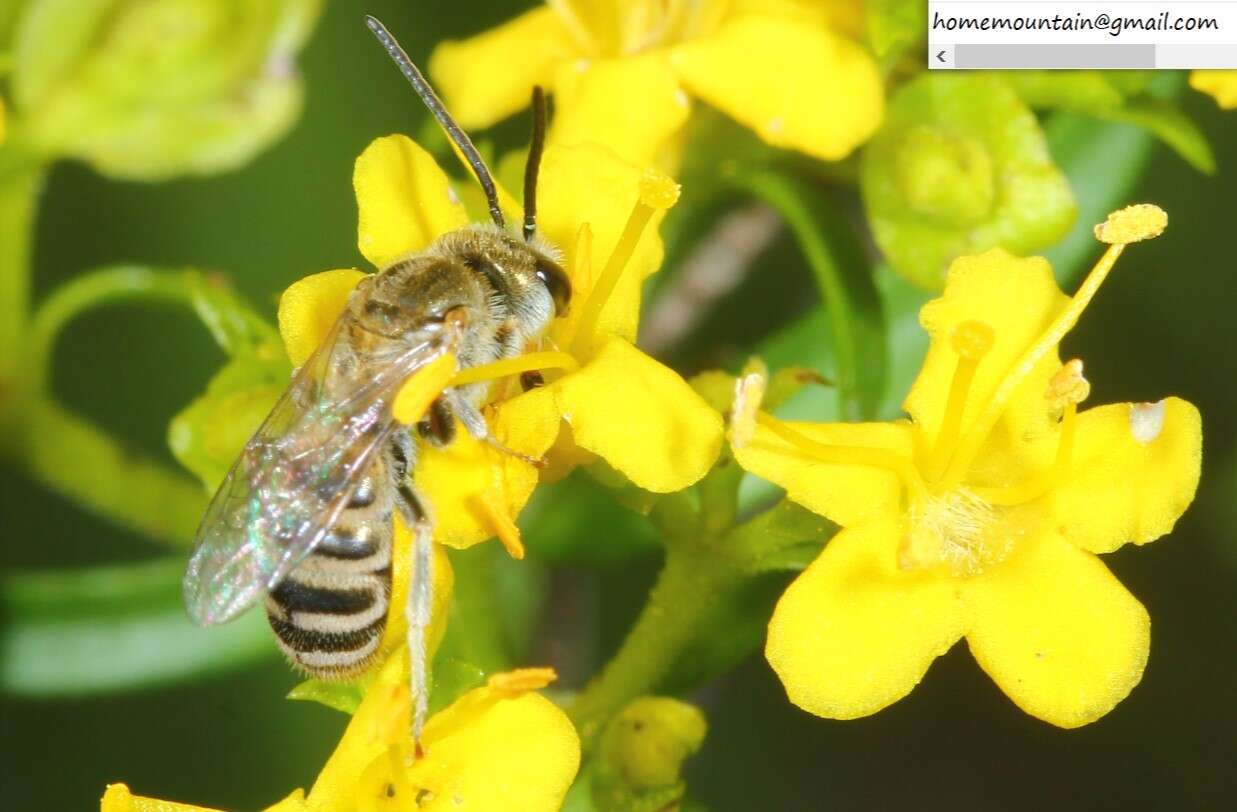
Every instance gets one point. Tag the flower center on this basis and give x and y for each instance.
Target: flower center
(955, 529)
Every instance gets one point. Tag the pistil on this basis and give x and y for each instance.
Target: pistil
(971, 340)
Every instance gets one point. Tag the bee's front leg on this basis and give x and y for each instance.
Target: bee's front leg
(476, 425)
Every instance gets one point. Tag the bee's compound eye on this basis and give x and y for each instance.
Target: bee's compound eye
(556, 282)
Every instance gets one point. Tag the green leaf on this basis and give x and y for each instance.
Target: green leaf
(856, 322)
(341, 696)
(960, 166)
(894, 25)
(112, 628)
(1166, 121)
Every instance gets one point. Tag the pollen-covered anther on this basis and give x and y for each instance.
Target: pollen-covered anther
(749, 391)
(1068, 385)
(658, 190)
(972, 339)
(1143, 221)
(522, 681)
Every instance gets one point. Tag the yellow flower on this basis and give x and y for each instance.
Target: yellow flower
(624, 72)
(616, 402)
(1221, 85)
(498, 747)
(980, 517)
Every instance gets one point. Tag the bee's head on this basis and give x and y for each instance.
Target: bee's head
(527, 279)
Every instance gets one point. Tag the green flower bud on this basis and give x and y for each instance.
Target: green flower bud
(147, 89)
(640, 758)
(1081, 91)
(960, 166)
(208, 435)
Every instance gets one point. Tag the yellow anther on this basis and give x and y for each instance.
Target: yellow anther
(500, 524)
(1143, 221)
(972, 339)
(521, 681)
(420, 390)
(1068, 385)
(749, 391)
(658, 190)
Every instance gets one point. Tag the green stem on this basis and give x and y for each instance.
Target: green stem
(21, 178)
(88, 467)
(678, 607)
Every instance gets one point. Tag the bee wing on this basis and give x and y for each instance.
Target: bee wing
(295, 475)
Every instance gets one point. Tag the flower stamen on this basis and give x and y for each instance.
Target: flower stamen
(1067, 389)
(521, 681)
(657, 193)
(1131, 225)
(971, 340)
(528, 362)
(847, 454)
(507, 531)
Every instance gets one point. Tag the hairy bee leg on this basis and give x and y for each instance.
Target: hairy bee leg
(419, 611)
(475, 423)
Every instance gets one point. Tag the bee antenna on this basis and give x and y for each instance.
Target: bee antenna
(453, 131)
(535, 149)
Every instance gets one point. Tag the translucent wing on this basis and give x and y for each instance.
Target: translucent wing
(297, 472)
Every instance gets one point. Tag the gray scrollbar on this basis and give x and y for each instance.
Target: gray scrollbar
(1047, 57)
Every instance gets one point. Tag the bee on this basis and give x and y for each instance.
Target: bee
(304, 518)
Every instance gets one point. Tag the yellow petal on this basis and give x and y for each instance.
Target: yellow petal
(293, 803)
(847, 495)
(489, 751)
(404, 200)
(845, 16)
(853, 633)
(756, 68)
(1134, 470)
(590, 184)
(460, 479)
(1017, 298)
(382, 717)
(1057, 632)
(632, 105)
(641, 417)
(118, 798)
(309, 308)
(1220, 85)
(486, 78)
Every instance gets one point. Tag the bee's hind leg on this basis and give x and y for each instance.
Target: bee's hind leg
(420, 604)
(419, 612)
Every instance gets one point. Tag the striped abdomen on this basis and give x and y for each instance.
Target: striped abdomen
(330, 612)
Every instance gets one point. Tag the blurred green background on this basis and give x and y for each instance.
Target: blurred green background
(1162, 326)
